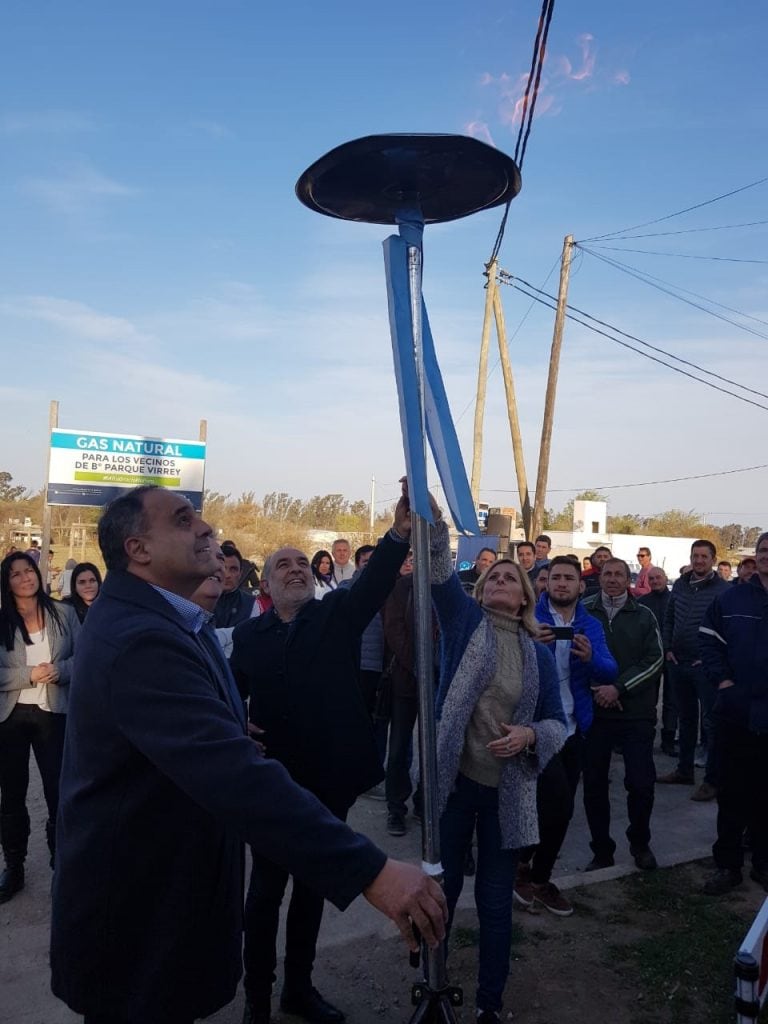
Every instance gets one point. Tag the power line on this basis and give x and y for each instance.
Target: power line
(647, 355)
(529, 105)
(647, 344)
(643, 483)
(690, 231)
(678, 213)
(673, 290)
(512, 337)
(680, 255)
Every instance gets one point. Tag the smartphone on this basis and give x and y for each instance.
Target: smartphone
(563, 632)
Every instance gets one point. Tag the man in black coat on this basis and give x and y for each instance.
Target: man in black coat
(657, 600)
(160, 784)
(299, 666)
(691, 596)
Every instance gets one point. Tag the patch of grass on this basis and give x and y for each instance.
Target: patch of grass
(464, 938)
(467, 938)
(686, 964)
(583, 909)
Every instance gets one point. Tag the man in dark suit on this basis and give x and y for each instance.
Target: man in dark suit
(160, 785)
(299, 667)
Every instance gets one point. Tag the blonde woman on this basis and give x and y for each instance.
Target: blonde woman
(500, 720)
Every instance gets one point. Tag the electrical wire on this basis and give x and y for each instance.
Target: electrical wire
(680, 255)
(677, 213)
(689, 231)
(529, 105)
(646, 344)
(672, 290)
(512, 337)
(647, 355)
(643, 483)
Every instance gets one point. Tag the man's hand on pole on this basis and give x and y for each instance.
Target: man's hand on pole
(409, 897)
(405, 504)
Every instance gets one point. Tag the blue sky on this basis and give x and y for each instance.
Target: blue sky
(156, 267)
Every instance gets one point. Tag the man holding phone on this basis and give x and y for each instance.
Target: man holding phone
(583, 660)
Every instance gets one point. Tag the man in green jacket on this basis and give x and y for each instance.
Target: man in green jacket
(625, 718)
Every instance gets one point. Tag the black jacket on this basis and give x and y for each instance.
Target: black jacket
(688, 603)
(657, 601)
(233, 608)
(302, 682)
(159, 787)
(634, 641)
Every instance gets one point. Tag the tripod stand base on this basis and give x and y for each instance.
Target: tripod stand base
(435, 1007)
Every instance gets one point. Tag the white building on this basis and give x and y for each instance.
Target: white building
(590, 531)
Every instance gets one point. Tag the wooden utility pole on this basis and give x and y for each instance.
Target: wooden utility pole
(514, 421)
(482, 379)
(45, 545)
(549, 401)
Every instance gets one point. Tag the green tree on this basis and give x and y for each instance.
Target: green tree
(625, 522)
(9, 491)
(751, 533)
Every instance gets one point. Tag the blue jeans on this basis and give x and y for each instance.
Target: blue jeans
(474, 807)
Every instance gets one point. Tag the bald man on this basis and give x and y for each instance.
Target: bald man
(299, 664)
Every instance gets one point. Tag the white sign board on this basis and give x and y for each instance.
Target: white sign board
(752, 969)
(87, 468)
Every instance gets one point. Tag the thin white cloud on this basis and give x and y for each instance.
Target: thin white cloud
(75, 318)
(77, 190)
(45, 122)
(213, 129)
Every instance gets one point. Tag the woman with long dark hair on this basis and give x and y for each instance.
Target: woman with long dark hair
(84, 586)
(37, 640)
(500, 720)
(322, 571)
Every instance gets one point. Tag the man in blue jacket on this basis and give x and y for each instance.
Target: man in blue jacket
(733, 641)
(160, 785)
(582, 662)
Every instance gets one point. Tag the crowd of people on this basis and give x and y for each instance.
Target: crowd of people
(187, 704)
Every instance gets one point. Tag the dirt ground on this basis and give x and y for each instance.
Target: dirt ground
(646, 949)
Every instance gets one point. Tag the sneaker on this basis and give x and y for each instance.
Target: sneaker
(644, 857)
(600, 862)
(524, 893)
(760, 875)
(488, 1017)
(396, 823)
(550, 897)
(706, 791)
(676, 778)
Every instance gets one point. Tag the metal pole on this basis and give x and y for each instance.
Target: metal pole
(434, 959)
(45, 544)
(372, 517)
